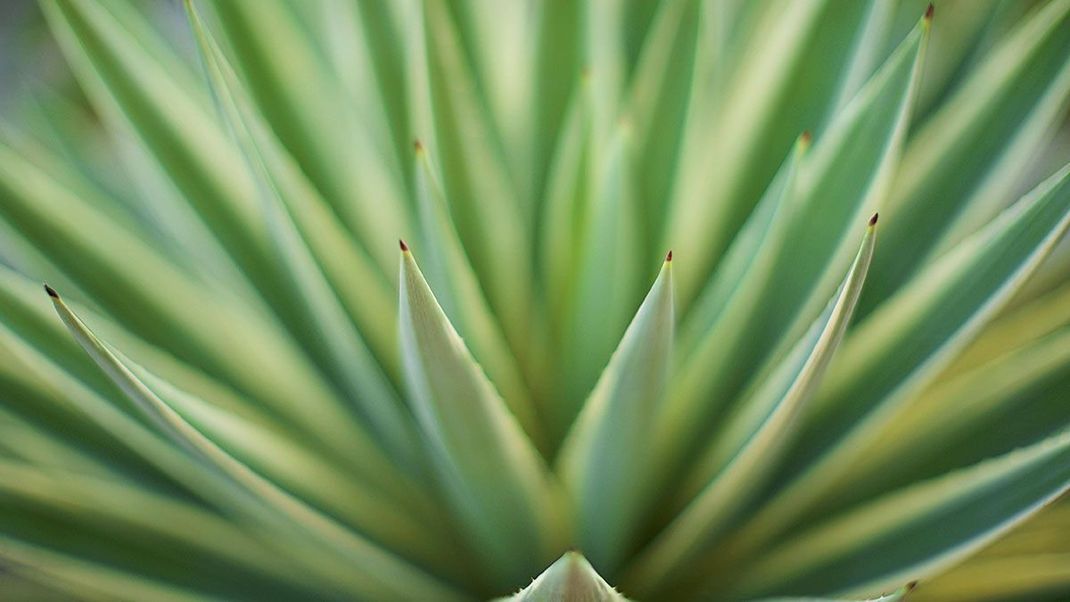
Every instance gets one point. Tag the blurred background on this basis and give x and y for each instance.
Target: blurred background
(34, 81)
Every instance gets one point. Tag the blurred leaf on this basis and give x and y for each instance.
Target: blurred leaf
(916, 532)
(380, 572)
(983, 135)
(899, 349)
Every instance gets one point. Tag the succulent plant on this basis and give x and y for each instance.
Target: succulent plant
(250, 392)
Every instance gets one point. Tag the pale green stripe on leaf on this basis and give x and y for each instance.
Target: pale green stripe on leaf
(174, 124)
(600, 462)
(496, 483)
(902, 347)
(919, 531)
(1011, 399)
(289, 201)
(84, 579)
(149, 516)
(718, 134)
(485, 201)
(961, 166)
(450, 272)
(608, 276)
(369, 570)
(289, 81)
(843, 181)
(753, 440)
(718, 323)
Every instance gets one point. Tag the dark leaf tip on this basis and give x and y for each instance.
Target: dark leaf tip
(418, 146)
(668, 257)
(51, 292)
(806, 138)
(929, 12)
(401, 243)
(873, 220)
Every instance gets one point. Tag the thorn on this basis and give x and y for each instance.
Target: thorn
(51, 292)
(401, 243)
(668, 257)
(929, 12)
(873, 220)
(418, 146)
(911, 586)
(806, 138)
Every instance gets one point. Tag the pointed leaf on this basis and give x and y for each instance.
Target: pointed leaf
(299, 222)
(986, 135)
(462, 298)
(380, 572)
(494, 479)
(739, 461)
(902, 347)
(718, 323)
(600, 463)
(571, 578)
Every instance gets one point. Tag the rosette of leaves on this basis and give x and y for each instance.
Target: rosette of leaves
(238, 387)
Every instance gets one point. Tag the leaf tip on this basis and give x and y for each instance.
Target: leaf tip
(418, 146)
(668, 256)
(51, 292)
(929, 13)
(404, 247)
(805, 139)
(873, 220)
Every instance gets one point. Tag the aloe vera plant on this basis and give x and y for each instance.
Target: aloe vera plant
(848, 379)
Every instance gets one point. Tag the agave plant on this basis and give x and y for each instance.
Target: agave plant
(250, 392)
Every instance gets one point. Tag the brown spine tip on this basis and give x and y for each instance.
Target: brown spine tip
(51, 292)
(418, 146)
(806, 138)
(929, 12)
(668, 257)
(873, 220)
(401, 243)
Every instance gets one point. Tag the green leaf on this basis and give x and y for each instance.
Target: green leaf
(571, 578)
(987, 134)
(498, 486)
(751, 444)
(916, 532)
(842, 181)
(1031, 562)
(607, 281)
(778, 79)
(373, 571)
(600, 462)
(86, 579)
(148, 517)
(290, 84)
(718, 323)
(490, 212)
(1011, 398)
(463, 299)
(136, 82)
(321, 258)
(902, 347)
